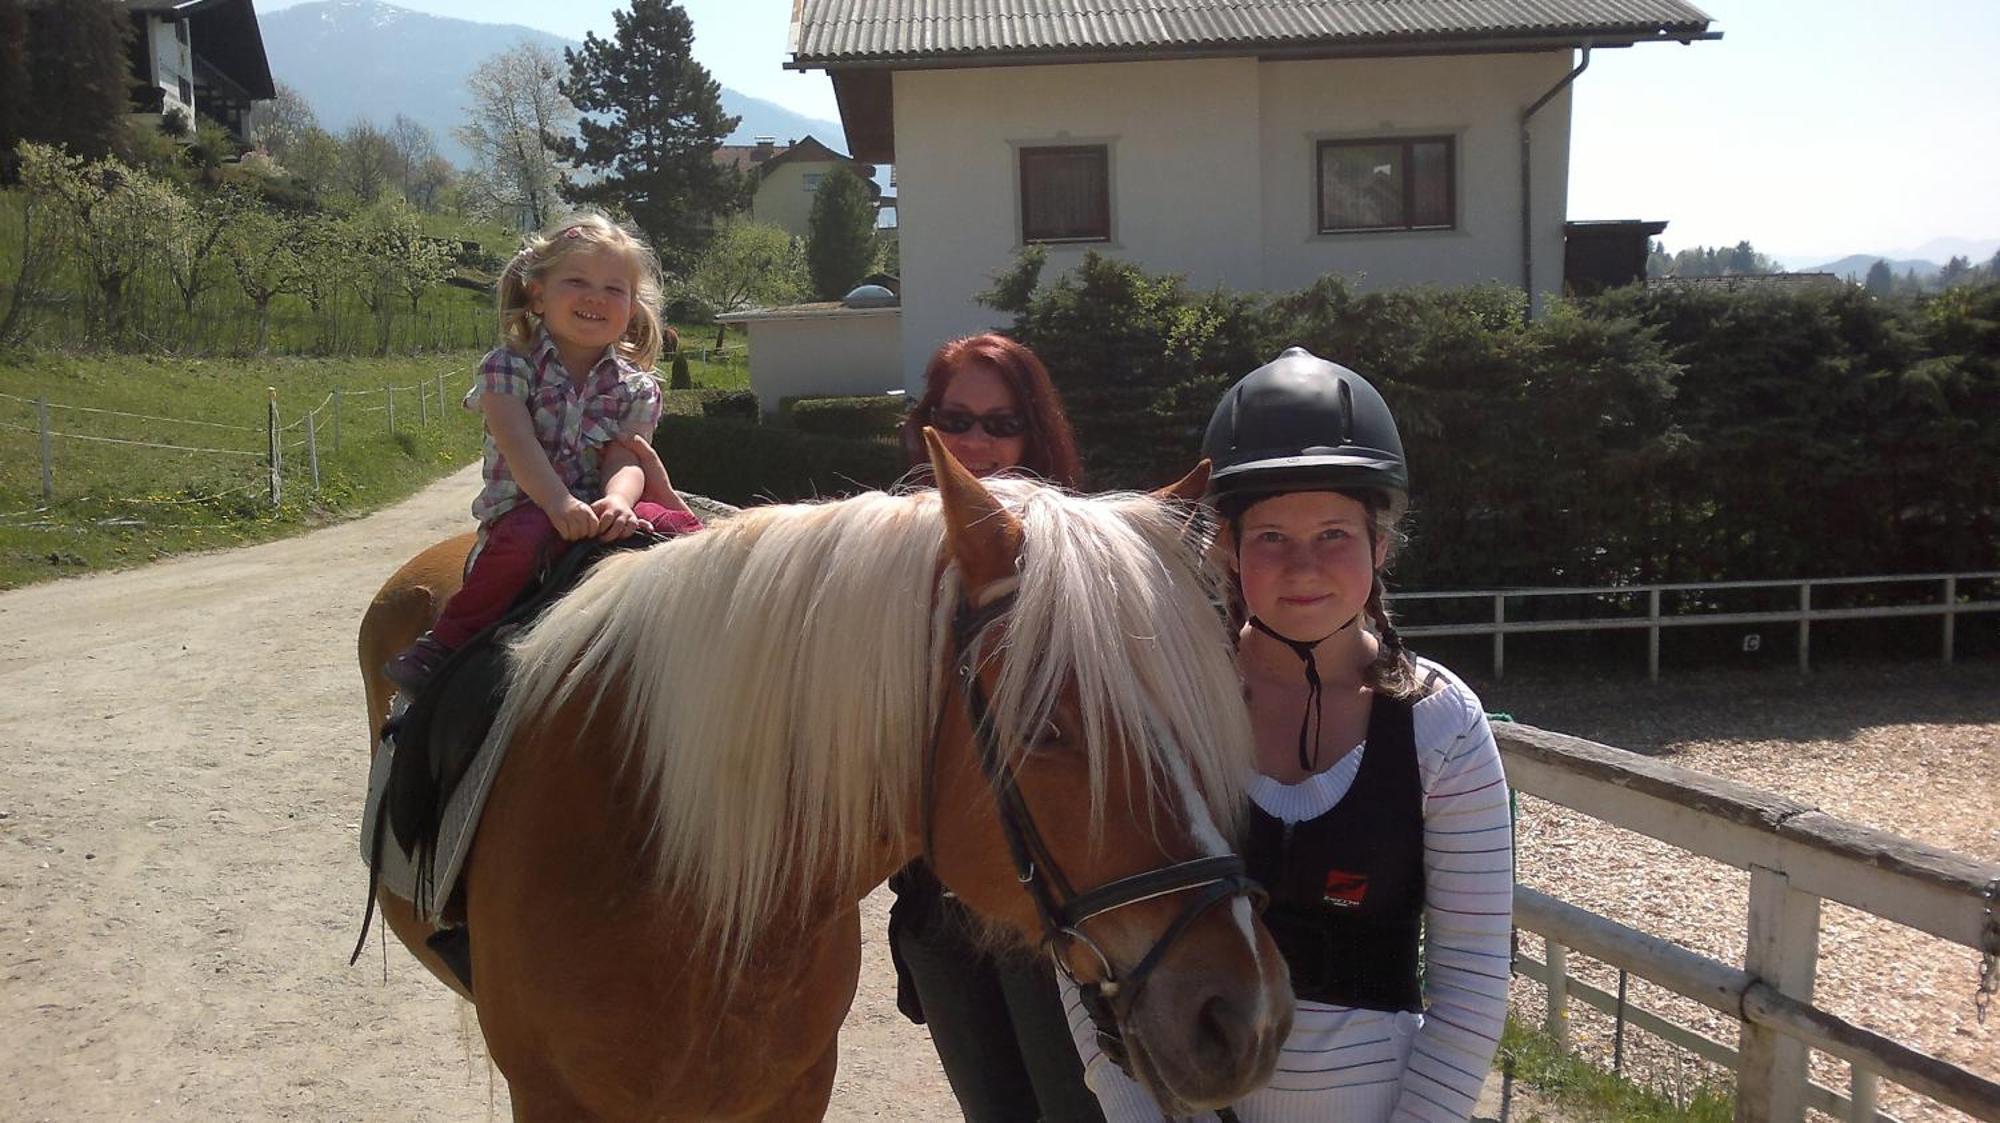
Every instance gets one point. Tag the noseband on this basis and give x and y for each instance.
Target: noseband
(1062, 909)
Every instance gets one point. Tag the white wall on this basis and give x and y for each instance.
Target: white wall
(1212, 172)
(822, 353)
(782, 198)
(171, 61)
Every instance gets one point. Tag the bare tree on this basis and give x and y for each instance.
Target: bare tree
(517, 108)
(280, 124)
(367, 161)
(413, 146)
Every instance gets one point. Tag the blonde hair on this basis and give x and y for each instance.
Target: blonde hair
(585, 230)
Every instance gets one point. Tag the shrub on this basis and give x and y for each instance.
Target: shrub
(680, 379)
(863, 417)
(744, 463)
(739, 404)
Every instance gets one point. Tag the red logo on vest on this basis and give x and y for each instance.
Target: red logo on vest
(1345, 890)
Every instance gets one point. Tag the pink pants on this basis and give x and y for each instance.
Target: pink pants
(515, 547)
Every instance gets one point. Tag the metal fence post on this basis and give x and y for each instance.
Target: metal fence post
(48, 463)
(271, 432)
(312, 445)
(1950, 613)
(1805, 627)
(1782, 952)
(1557, 1021)
(1653, 635)
(336, 421)
(1499, 635)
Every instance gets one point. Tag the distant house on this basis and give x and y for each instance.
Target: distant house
(199, 56)
(1253, 145)
(787, 176)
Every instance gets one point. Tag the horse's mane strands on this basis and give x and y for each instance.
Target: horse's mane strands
(781, 671)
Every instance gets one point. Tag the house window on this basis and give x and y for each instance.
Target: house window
(812, 182)
(1390, 184)
(187, 93)
(1066, 194)
(181, 31)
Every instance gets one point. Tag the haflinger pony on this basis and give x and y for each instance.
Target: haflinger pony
(718, 745)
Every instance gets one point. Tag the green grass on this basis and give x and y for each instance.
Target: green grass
(1576, 1086)
(117, 505)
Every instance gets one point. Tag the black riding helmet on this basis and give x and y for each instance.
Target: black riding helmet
(1300, 423)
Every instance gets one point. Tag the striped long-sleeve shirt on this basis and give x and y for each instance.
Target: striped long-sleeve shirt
(1368, 1065)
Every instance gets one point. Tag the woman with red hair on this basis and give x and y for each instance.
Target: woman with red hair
(997, 1021)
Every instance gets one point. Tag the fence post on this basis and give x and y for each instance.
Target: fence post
(1653, 635)
(1499, 635)
(1783, 952)
(1557, 1021)
(1861, 1088)
(392, 408)
(312, 445)
(1950, 613)
(48, 463)
(1805, 627)
(336, 421)
(271, 430)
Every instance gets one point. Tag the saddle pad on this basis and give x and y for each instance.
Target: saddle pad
(459, 823)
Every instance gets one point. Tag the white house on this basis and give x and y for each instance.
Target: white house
(1253, 145)
(199, 56)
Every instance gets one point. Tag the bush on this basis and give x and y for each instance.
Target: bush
(739, 404)
(744, 463)
(864, 417)
(1639, 436)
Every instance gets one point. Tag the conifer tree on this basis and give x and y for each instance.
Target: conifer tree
(79, 86)
(840, 234)
(652, 119)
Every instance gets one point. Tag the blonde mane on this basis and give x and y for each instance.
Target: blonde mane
(781, 672)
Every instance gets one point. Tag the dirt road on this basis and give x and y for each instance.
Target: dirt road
(182, 753)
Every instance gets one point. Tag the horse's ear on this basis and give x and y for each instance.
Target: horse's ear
(981, 534)
(1189, 489)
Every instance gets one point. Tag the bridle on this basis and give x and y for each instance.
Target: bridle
(1063, 910)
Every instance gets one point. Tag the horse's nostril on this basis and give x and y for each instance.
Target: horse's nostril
(1223, 1035)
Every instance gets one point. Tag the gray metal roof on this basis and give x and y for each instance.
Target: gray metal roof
(837, 33)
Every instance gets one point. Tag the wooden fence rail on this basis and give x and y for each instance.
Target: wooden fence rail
(1797, 856)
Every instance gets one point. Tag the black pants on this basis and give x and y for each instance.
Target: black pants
(997, 1021)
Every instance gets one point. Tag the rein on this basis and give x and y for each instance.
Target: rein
(1063, 910)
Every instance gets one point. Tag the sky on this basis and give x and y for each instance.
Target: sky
(1812, 129)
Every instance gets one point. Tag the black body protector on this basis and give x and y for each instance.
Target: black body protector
(1347, 887)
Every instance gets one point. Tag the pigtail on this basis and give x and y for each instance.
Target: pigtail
(1393, 673)
(517, 320)
(645, 338)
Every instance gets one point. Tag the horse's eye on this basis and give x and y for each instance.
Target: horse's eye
(1052, 735)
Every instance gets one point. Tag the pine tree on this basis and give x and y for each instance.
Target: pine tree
(652, 119)
(1881, 279)
(77, 76)
(840, 235)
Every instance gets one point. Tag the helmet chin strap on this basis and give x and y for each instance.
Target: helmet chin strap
(1310, 722)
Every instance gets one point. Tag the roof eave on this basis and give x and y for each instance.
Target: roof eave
(1273, 50)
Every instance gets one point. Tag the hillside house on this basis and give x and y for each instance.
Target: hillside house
(199, 56)
(787, 176)
(1255, 146)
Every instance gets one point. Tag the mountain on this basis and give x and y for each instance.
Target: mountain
(356, 59)
(1854, 267)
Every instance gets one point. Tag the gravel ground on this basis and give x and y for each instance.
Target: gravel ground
(1914, 750)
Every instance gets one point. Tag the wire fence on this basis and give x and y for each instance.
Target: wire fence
(279, 446)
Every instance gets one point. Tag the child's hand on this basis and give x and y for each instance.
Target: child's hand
(615, 519)
(573, 519)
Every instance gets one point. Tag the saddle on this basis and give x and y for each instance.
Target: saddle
(432, 766)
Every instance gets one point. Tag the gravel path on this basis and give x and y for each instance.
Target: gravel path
(181, 760)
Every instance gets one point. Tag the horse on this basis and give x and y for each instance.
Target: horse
(718, 745)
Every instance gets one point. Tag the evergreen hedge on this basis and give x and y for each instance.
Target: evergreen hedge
(1644, 435)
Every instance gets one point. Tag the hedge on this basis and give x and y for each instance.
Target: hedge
(742, 462)
(862, 417)
(1644, 435)
(740, 404)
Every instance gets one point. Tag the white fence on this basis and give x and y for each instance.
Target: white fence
(1950, 602)
(1796, 856)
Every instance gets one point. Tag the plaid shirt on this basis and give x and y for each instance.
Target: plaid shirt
(572, 423)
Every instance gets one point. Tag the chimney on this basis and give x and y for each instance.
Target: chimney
(766, 146)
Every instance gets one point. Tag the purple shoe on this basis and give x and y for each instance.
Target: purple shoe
(414, 667)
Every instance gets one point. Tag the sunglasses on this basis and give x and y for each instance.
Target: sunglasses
(999, 425)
